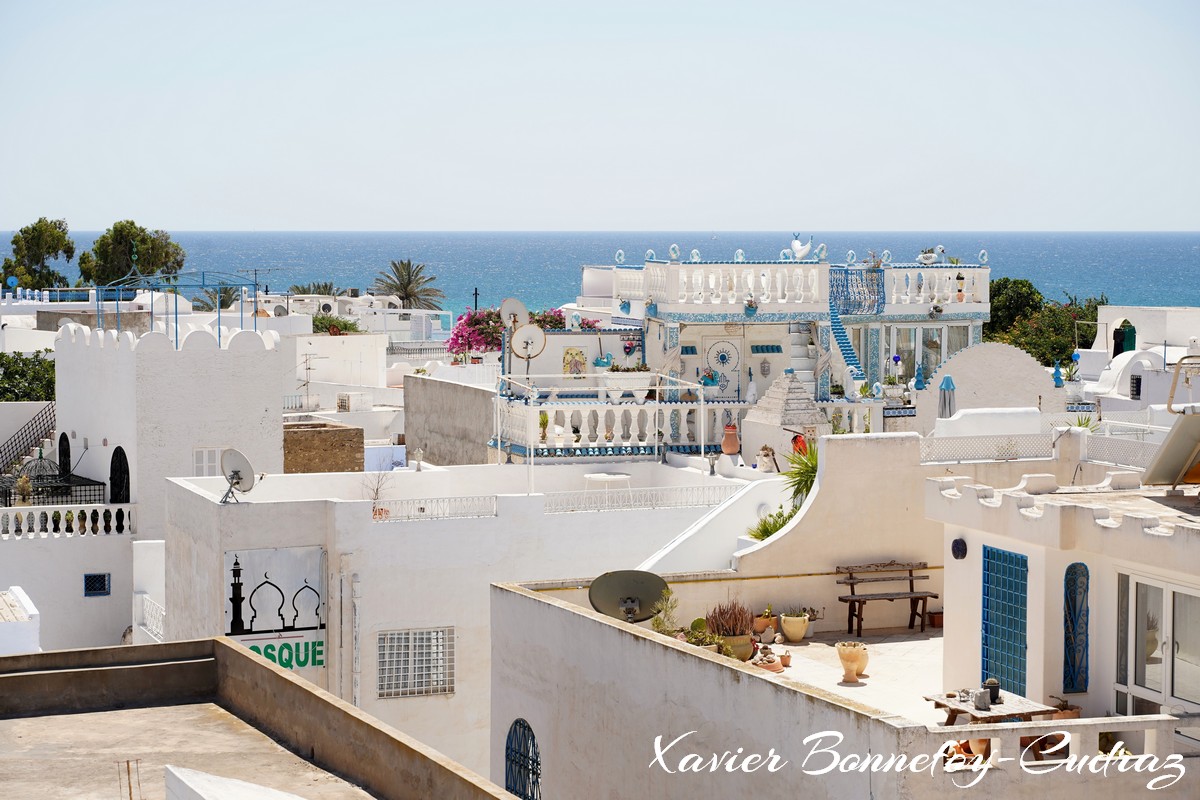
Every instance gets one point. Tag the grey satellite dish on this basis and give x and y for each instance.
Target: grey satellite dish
(626, 594)
(326, 308)
(237, 470)
(281, 311)
(513, 313)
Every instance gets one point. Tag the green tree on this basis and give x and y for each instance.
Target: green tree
(1011, 299)
(24, 378)
(113, 254)
(209, 298)
(321, 287)
(321, 323)
(34, 245)
(1049, 334)
(408, 281)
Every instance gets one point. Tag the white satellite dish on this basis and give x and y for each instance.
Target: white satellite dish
(528, 341)
(513, 313)
(237, 470)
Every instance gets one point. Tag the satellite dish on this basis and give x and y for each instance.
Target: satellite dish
(326, 308)
(237, 470)
(281, 311)
(626, 594)
(528, 341)
(513, 313)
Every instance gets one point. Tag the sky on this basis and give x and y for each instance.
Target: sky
(601, 116)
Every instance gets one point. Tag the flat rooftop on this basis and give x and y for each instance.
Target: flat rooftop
(76, 755)
(1171, 510)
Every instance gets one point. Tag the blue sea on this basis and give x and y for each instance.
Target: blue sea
(543, 269)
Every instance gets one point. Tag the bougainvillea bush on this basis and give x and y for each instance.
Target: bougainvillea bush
(481, 331)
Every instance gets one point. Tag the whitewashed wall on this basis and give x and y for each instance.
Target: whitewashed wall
(50, 569)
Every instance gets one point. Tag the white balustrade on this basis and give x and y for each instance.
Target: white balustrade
(937, 284)
(591, 424)
(1120, 451)
(17, 522)
(686, 283)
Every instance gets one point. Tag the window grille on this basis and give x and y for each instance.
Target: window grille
(416, 663)
(97, 584)
(522, 762)
(1075, 628)
(206, 462)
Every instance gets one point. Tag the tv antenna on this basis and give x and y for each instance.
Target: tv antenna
(513, 314)
(626, 594)
(308, 368)
(237, 470)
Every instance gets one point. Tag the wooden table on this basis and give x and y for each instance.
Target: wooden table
(1010, 706)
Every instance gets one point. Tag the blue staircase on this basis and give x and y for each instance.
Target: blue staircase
(843, 342)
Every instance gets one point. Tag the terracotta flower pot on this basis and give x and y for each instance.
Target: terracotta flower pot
(785, 659)
(853, 656)
(741, 646)
(794, 628)
(730, 445)
(762, 623)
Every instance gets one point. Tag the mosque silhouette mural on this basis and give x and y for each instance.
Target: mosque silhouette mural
(275, 605)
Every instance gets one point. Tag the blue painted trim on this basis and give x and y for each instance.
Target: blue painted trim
(796, 316)
(1075, 628)
(1004, 619)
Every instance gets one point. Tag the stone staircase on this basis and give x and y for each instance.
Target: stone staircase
(803, 360)
(844, 346)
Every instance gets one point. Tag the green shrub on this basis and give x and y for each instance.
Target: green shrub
(771, 523)
(321, 323)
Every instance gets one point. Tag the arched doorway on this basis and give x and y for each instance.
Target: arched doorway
(118, 477)
(64, 455)
(522, 762)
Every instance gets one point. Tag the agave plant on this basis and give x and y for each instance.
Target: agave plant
(802, 473)
(730, 619)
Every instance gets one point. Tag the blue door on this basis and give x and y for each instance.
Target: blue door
(1005, 592)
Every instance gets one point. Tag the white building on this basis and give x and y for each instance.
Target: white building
(403, 563)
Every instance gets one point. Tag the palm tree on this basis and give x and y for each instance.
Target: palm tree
(409, 282)
(321, 287)
(225, 295)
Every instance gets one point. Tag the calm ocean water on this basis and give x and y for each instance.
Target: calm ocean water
(543, 269)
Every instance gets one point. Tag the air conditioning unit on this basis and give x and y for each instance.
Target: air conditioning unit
(353, 401)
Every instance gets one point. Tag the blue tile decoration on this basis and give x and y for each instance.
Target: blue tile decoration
(1075, 628)
(874, 356)
(1004, 624)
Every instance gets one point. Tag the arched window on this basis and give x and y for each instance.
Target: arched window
(118, 477)
(1075, 628)
(522, 763)
(64, 455)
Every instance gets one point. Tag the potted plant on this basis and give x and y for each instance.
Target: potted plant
(813, 616)
(734, 623)
(635, 378)
(853, 656)
(24, 490)
(751, 307)
(993, 687)
(935, 619)
(794, 623)
(1066, 710)
(765, 620)
(543, 423)
(960, 280)
(836, 391)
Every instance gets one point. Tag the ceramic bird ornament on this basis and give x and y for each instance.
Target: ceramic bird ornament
(799, 249)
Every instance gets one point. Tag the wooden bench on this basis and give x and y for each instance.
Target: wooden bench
(867, 573)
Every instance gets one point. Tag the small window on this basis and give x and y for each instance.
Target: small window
(97, 584)
(206, 462)
(416, 663)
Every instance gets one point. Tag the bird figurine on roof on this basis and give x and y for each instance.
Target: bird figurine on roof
(799, 249)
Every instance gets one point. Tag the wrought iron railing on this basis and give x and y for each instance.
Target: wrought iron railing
(857, 291)
(986, 448)
(153, 616)
(434, 508)
(616, 499)
(27, 437)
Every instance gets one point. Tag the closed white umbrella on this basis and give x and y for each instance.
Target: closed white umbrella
(946, 398)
